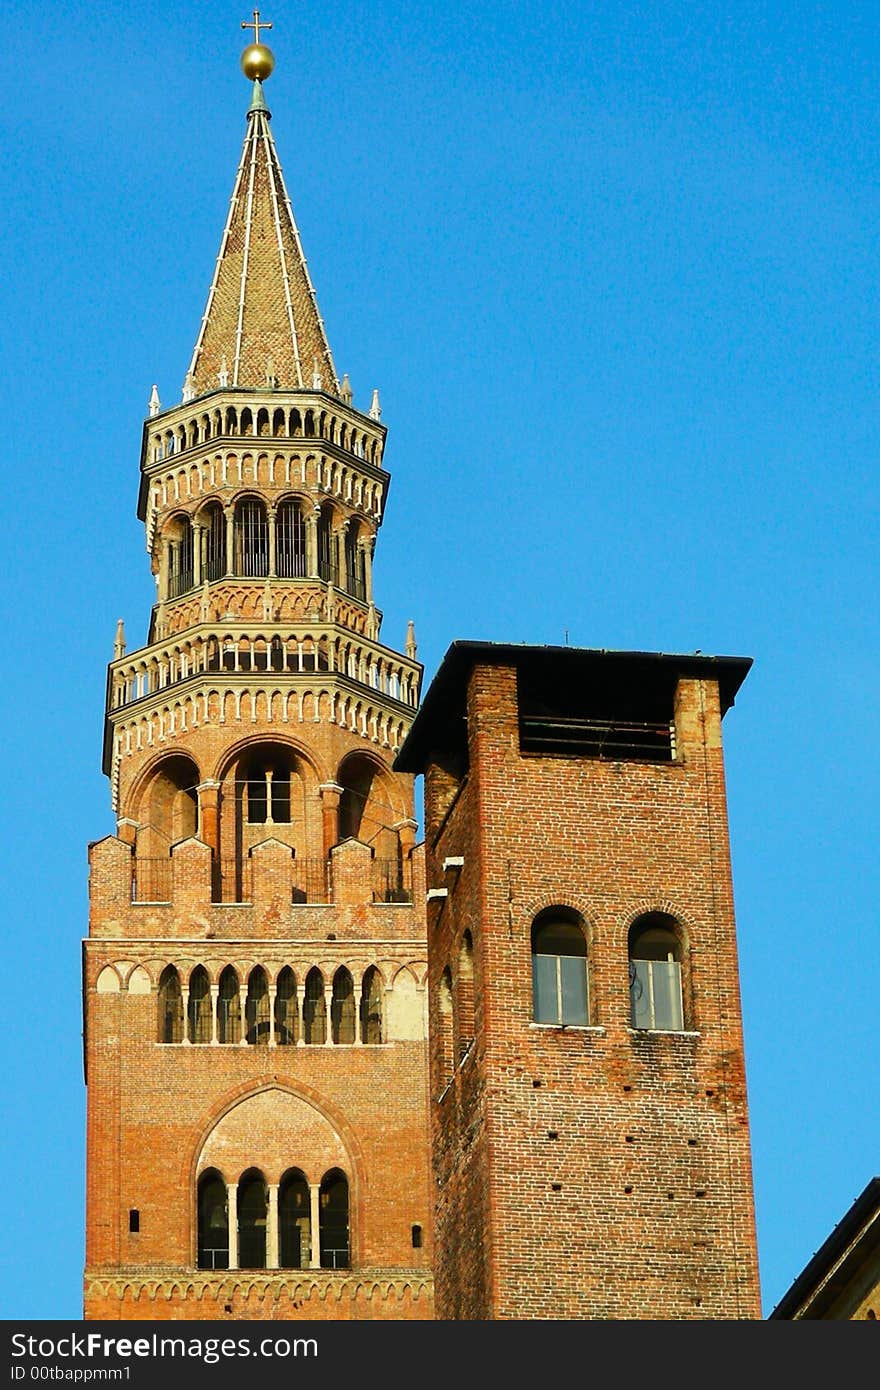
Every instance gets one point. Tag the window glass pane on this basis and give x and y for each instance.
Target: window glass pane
(640, 993)
(667, 994)
(574, 989)
(544, 988)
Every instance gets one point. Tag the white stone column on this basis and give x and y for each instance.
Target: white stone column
(273, 991)
(184, 994)
(215, 994)
(272, 1227)
(242, 1010)
(358, 991)
(232, 1219)
(328, 1016)
(315, 1195)
(270, 521)
(229, 513)
(300, 1022)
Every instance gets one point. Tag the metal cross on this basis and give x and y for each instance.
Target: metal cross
(255, 25)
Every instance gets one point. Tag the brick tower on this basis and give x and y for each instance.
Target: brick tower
(254, 998)
(588, 1102)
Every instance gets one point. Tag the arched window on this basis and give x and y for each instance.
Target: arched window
(371, 1006)
(355, 578)
(465, 994)
(559, 968)
(252, 1209)
(445, 1021)
(655, 973)
(314, 1010)
(285, 1008)
(328, 547)
(251, 538)
(215, 541)
(199, 1011)
(213, 1240)
(266, 778)
(290, 540)
(229, 1008)
(294, 1221)
(180, 558)
(256, 1007)
(333, 1208)
(170, 1007)
(342, 1007)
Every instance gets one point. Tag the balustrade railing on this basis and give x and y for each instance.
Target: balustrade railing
(392, 881)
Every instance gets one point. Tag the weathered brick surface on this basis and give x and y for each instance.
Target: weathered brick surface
(644, 1135)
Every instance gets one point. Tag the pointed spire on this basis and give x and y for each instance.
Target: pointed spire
(375, 407)
(155, 405)
(346, 395)
(411, 648)
(261, 302)
(119, 643)
(189, 388)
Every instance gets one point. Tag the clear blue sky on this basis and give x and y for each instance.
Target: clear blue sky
(613, 268)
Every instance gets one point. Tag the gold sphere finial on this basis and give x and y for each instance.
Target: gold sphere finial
(257, 61)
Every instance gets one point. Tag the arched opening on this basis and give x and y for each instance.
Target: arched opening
(656, 973)
(252, 1212)
(342, 1016)
(213, 1222)
(286, 1030)
(251, 539)
(290, 540)
(328, 547)
(559, 968)
(214, 522)
(246, 421)
(371, 1006)
(266, 778)
(465, 994)
(168, 811)
(229, 1007)
(445, 1020)
(180, 556)
(170, 999)
(278, 424)
(333, 1220)
(355, 569)
(262, 421)
(314, 1008)
(294, 1221)
(256, 1007)
(199, 1021)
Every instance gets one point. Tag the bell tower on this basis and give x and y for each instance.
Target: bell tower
(254, 972)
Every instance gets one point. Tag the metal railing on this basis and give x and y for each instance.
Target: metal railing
(232, 880)
(392, 881)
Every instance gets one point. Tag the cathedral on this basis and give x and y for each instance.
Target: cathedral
(335, 1070)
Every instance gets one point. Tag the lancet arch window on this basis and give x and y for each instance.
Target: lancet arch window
(266, 778)
(290, 540)
(257, 1013)
(170, 1006)
(180, 557)
(656, 973)
(286, 1012)
(229, 1007)
(342, 1010)
(314, 1008)
(199, 1020)
(328, 547)
(355, 567)
(559, 968)
(371, 1006)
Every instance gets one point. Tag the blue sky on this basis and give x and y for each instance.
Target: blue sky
(613, 269)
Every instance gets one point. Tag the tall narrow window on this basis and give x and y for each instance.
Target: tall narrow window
(314, 1009)
(285, 1008)
(229, 1008)
(371, 1006)
(215, 542)
(328, 548)
(294, 1221)
(252, 1209)
(199, 1021)
(180, 559)
(251, 535)
(445, 1020)
(290, 540)
(655, 974)
(465, 994)
(257, 1007)
(334, 1232)
(559, 968)
(170, 1006)
(213, 1240)
(342, 1007)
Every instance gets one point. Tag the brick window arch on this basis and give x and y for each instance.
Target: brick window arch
(170, 1003)
(656, 973)
(213, 1222)
(560, 986)
(333, 1220)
